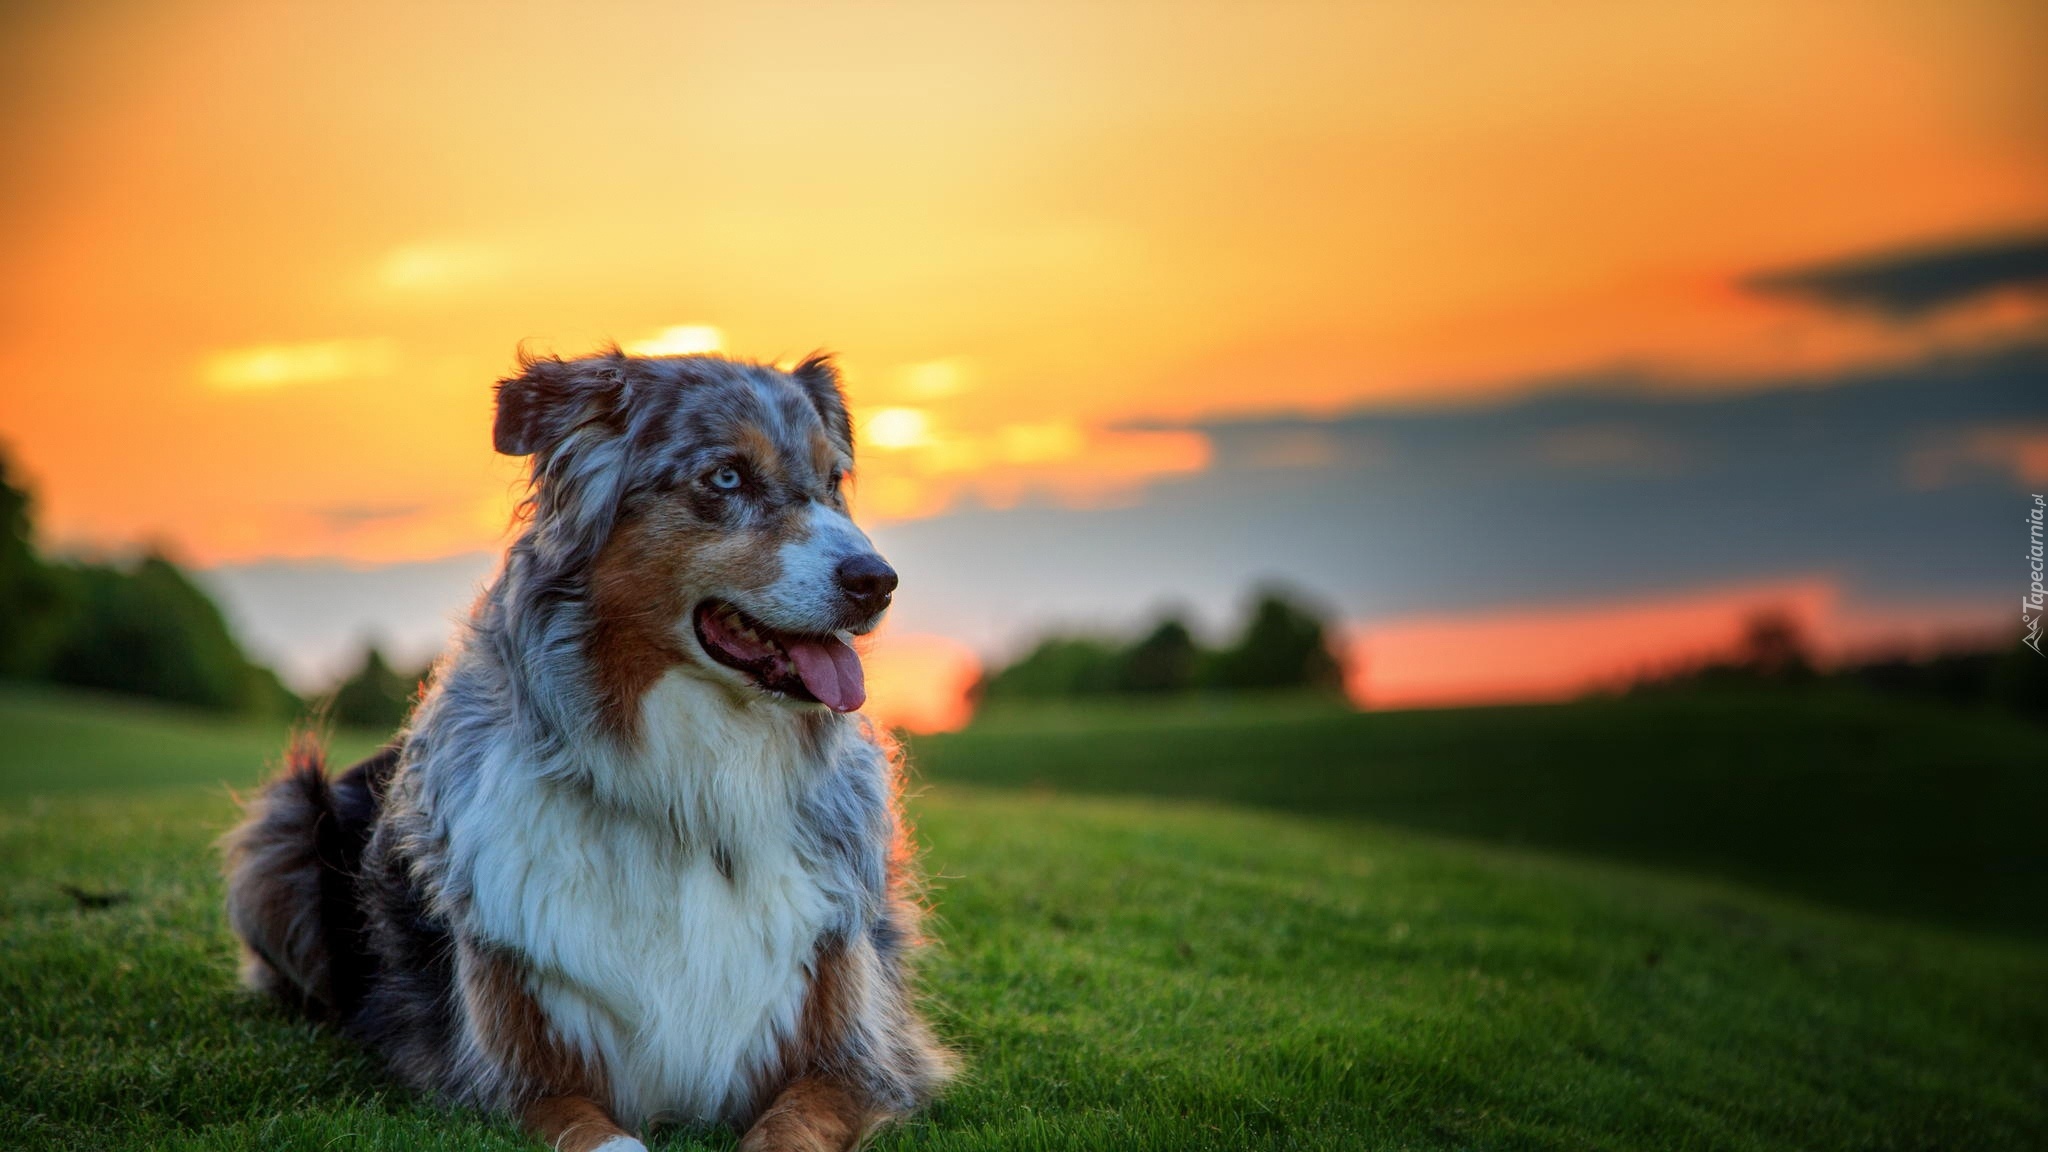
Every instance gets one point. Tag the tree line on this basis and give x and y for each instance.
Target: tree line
(140, 627)
(1775, 651)
(1283, 644)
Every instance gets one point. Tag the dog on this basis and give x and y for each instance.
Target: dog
(634, 858)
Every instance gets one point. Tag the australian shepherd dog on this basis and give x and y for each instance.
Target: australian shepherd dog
(634, 858)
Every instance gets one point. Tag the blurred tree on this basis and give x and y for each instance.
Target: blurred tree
(1058, 666)
(1285, 645)
(1164, 661)
(375, 696)
(31, 596)
(269, 695)
(1774, 647)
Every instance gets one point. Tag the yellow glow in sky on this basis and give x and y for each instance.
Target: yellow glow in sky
(893, 429)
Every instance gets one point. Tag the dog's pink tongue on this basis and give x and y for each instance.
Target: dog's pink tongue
(831, 670)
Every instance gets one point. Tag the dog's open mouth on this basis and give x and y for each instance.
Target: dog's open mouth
(820, 668)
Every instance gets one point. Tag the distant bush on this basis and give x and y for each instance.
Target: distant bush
(1167, 660)
(375, 695)
(1284, 644)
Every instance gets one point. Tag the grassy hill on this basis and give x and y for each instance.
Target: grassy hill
(1120, 973)
(1894, 806)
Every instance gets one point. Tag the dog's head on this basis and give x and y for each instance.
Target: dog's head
(701, 503)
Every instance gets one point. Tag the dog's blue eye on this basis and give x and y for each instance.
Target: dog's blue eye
(726, 478)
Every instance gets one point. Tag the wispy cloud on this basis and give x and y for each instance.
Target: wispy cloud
(934, 379)
(268, 366)
(1918, 282)
(1960, 456)
(438, 267)
(349, 517)
(1612, 448)
(917, 464)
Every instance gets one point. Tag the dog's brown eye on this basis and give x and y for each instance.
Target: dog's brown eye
(832, 482)
(726, 479)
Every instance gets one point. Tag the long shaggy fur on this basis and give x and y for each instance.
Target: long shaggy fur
(290, 866)
(599, 880)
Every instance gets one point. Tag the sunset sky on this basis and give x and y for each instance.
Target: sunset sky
(1482, 323)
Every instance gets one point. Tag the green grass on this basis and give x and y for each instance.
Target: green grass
(56, 742)
(1897, 807)
(1120, 973)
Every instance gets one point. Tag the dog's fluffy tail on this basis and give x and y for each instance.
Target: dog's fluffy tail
(291, 874)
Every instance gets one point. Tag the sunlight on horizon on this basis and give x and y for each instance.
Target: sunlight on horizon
(681, 340)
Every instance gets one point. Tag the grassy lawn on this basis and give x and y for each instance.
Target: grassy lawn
(54, 742)
(1121, 973)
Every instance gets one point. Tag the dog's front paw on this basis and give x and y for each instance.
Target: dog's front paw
(620, 1144)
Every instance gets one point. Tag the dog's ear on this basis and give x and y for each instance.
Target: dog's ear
(550, 398)
(516, 432)
(819, 378)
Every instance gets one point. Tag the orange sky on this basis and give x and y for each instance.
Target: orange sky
(1023, 221)
(265, 260)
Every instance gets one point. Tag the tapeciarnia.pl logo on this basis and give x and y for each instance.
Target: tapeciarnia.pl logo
(2032, 603)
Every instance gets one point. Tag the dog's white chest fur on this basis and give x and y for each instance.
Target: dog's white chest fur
(644, 954)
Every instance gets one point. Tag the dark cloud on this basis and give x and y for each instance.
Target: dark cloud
(1908, 285)
(1617, 488)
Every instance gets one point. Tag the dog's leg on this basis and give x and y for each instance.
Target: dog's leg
(813, 1114)
(563, 1090)
(577, 1124)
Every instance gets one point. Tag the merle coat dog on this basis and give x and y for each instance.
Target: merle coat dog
(634, 858)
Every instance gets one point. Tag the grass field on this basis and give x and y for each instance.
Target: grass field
(1129, 972)
(1889, 805)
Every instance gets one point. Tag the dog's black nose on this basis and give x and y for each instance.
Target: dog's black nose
(868, 581)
